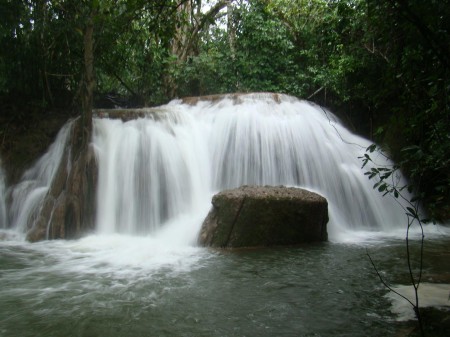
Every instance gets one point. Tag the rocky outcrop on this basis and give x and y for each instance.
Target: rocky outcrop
(68, 209)
(256, 216)
(129, 114)
(235, 97)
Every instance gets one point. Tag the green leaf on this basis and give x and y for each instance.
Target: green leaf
(412, 211)
(371, 148)
(382, 188)
(385, 176)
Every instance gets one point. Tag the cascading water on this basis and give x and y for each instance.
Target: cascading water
(160, 172)
(28, 195)
(153, 169)
(149, 171)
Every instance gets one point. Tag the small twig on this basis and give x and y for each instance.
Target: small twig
(334, 127)
(315, 92)
(384, 282)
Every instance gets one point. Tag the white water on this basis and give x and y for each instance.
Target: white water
(430, 295)
(27, 196)
(154, 170)
(157, 174)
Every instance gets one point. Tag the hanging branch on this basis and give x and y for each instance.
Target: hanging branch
(387, 185)
(89, 80)
(384, 281)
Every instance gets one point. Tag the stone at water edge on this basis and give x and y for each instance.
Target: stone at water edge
(69, 207)
(260, 216)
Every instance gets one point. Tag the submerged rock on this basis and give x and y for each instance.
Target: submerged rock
(256, 216)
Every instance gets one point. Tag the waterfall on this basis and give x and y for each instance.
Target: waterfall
(28, 195)
(150, 171)
(157, 173)
(168, 165)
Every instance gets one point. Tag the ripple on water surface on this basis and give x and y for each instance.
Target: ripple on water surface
(119, 285)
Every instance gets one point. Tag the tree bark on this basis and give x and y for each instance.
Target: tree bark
(186, 35)
(231, 28)
(89, 79)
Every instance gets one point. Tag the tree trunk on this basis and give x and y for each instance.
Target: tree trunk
(185, 40)
(231, 28)
(89, 79)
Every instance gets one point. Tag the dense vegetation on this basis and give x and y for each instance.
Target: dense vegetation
(383, 65)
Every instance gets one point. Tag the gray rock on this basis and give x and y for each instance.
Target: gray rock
(257, 216)
(69, 207)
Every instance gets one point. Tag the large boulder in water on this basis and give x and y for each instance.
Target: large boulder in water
(257, 216)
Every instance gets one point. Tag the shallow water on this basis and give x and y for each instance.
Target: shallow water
(135, 286)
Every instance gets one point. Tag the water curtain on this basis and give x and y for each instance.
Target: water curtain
(169, 162)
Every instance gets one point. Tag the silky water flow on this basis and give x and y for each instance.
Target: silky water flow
(155, 169)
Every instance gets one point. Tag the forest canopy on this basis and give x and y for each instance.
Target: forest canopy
(381, 65)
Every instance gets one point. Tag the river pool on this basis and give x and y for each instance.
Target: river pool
(138, 286)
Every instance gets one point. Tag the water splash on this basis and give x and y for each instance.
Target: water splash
(155, 169)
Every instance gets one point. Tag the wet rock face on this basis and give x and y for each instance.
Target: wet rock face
(257, 216)
(68, 209)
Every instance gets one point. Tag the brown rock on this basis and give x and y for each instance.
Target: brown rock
(256, 216)
(69, 207)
